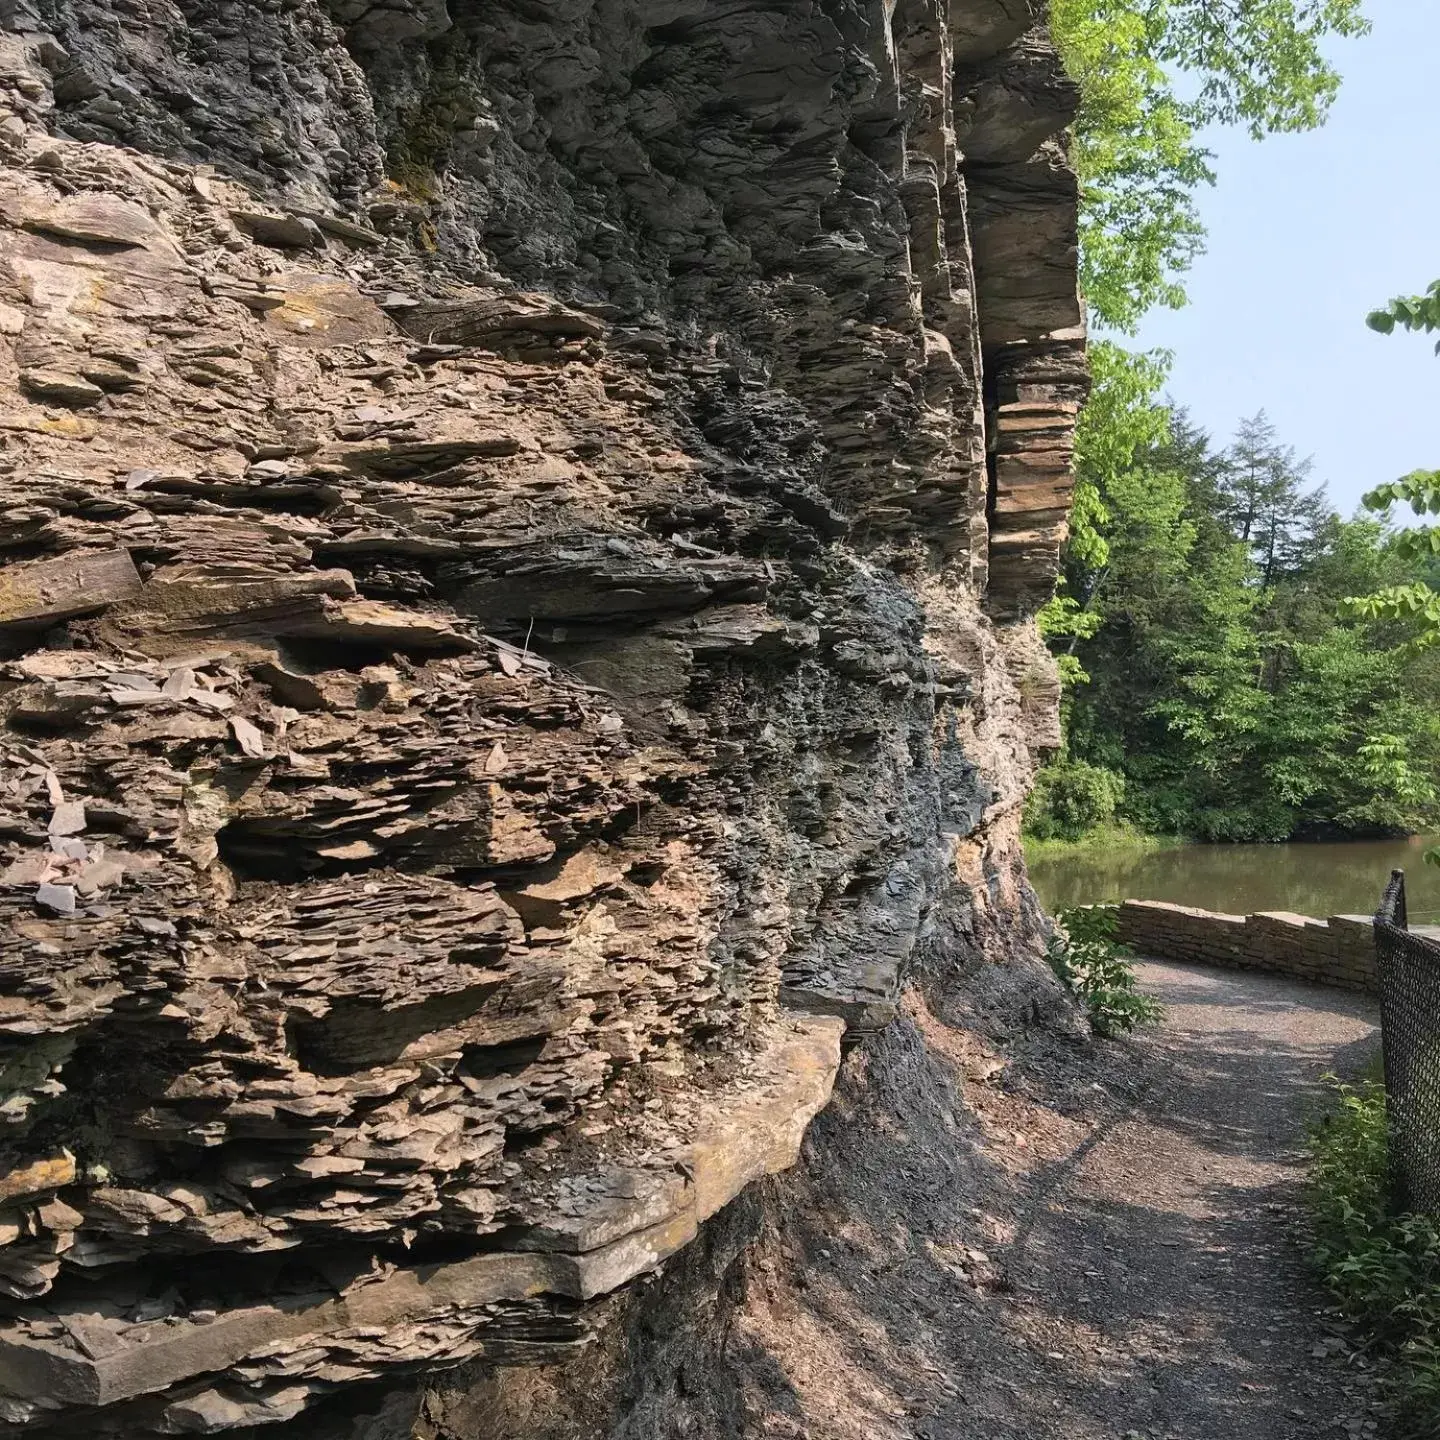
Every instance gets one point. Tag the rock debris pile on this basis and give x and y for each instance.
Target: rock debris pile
(520, 534)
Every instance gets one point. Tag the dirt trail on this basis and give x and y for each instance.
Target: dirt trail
(1052, 1241)
(1168, 1240)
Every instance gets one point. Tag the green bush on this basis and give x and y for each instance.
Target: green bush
(1096, 968)
(1070, 798)
(1383, 1269)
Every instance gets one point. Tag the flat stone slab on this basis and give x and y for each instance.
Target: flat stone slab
(752, 1129)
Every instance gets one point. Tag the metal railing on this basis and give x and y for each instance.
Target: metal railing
(1409, 975)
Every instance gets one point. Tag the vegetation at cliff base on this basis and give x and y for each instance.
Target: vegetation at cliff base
(1382, 1269)
(1092, 964)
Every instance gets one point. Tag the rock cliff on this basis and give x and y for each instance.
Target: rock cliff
(520, 525)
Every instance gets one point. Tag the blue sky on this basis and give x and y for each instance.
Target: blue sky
(1308, 233)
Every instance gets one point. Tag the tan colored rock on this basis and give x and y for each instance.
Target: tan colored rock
(45, 592)
(96, 219)
(37, 1177)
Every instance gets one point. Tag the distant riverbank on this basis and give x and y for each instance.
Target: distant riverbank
(1101, 841)
(1312, 878)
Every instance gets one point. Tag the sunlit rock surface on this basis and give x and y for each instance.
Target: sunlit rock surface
(521, 527)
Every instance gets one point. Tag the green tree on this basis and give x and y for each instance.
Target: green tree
(1415, 602)
(1138, 159)
(1196, 581)
(1137, 152)
(1256, 63)
(1344, 747)
(1263, 499)
(1227, 692)
(1260, 63)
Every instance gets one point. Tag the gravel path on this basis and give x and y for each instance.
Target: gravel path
(1160, 1261)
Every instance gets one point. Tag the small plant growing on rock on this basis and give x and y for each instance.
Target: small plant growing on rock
(1095, 967)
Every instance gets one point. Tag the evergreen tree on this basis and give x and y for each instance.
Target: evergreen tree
(1262, 499)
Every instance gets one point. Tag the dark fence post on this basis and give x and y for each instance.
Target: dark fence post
(1408, 967)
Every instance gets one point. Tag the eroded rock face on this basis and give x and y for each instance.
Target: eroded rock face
(520, 530)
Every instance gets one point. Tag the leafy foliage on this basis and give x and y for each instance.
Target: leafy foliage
(1418, 601)
(1195, 628)
(1120, 419)
(1138, 160)
(1383, 1269)
(1409, 312)
(1135, 147)
(1225, 685)
(1260, 63)
(1071, 798)
(1064, 618)
(1097, 969)
(1257, 63)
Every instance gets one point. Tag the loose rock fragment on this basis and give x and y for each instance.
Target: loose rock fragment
(44, 592)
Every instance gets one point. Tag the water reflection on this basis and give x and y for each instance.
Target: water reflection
(1313, 879)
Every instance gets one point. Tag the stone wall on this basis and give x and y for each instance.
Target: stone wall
(1337, 951)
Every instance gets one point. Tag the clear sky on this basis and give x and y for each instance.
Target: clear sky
(1308, 234)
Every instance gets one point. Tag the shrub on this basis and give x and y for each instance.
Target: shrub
(1072, 797)
(1096, 968)
(1383, 1269)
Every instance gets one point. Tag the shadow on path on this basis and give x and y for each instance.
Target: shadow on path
(1106, 1242)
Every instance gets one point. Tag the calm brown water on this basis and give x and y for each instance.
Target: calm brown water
(1313, 879)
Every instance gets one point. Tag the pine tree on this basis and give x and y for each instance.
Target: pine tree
(1263, 500)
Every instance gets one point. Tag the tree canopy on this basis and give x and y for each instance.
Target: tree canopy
(1153, 74)
(1229, 697)
(1228, 694)
(1417, 601)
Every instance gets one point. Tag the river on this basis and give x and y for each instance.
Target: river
(1313, 879)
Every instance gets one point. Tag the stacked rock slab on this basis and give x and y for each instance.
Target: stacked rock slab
(519, 531)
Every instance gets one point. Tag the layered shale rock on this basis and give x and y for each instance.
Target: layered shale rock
(520, 527)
